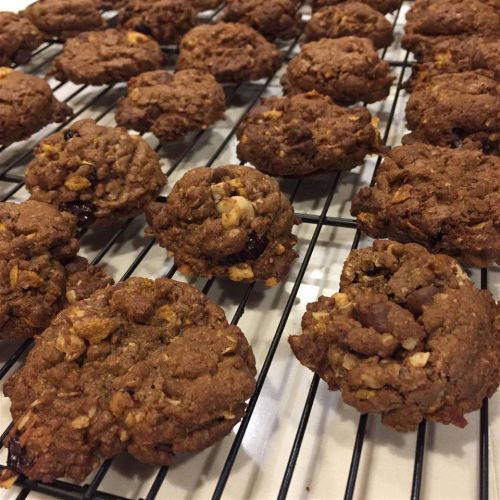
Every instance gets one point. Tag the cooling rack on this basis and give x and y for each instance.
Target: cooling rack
(297, 439)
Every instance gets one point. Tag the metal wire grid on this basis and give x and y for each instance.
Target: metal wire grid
(62, 489)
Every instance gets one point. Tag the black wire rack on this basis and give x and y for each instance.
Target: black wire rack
(14, 181)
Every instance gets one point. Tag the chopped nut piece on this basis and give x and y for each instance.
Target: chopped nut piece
(349, 361)
(241, 272)
(4, 71)
(135, 37)
(364, 394)
(410, 343)
(71, 296)
(81, 422)
(228, 415)
(419, 359)
(14, 275)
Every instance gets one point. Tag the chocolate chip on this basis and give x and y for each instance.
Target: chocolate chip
(69, 134)
(17, 459)
(143, 28)
(417, 299)
(82, 210)
(254, 249)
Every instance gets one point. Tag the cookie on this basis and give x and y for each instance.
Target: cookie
(272, 18)
(64, 19)
(350, 19)
(409, 336)
(27, 104)
(383, 6)
(171, 105)
(429, 21)
(164, 20)
(39, 270)
(445, 199)
(109, 56)
(204, 4)
(111, 4)
(99, 174)
(347, 69)
(455, 56)
(453, 108)
(148, 367)
(306, 133)
(231, 52)
(18, 37)
(227, 221)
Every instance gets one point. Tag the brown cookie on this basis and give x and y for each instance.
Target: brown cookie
(455, 56)
(429, 21)
(445, 199)
(232, 52)
(164, 20)
(347, 69)
(64, 19)
(383, 6)
(204, 4)
(27, 104)
(18, 37)
(272, 18)
(111, 4)
(454, 107)
(227, 221)
(110, 56)
(39, 272)
(306, 133)
(148, 367)
(408, 336)
(171, 105)
(99, 174)
(350, 19)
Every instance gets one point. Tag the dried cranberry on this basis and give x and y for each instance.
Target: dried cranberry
(16, 458)
(254, 249)
(143, 28)
(82, 210)
(69, 134)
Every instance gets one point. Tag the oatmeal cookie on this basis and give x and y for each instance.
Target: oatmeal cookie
(231, 52)
(110, 56)
(18, 37)
(39, 270)
(148, 367)
(309, 133)
(408, 336)
(350, 19)
(99, 174)
(347, 69)
(164, 20)
(430, 21)
(456, 56)
(383, 6)
(27, 104)
(171, 105)
(456, 107)
(227, 221)
(445, 199)
(204, 4)
(272, 18)
(64, 19)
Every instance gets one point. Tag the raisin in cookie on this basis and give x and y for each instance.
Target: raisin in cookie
(445, 199)
(27, 104)
(454, 107)
(347, 69)
(18, 37)
(456, 56)
(64, 19)
(408, 336)
(227, 221)
(231, 52)
(306, 133)
(429, 21)
(39, 272)
(272, 18)
(350, 19)
(383, 6)
(99, 174)
(171, 105)
(164, 20)
(110, 56)
(148, 367)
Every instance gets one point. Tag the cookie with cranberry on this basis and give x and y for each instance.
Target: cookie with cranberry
(99, 174)
(409, 336)
(231, 52)
(148, 367)
(347, 69)
(104, 57)
(171, 104)
(306, 133)
(227, 221)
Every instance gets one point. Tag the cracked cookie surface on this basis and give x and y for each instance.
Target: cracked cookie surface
(227, 221)
(99, 174)
(409, 336)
